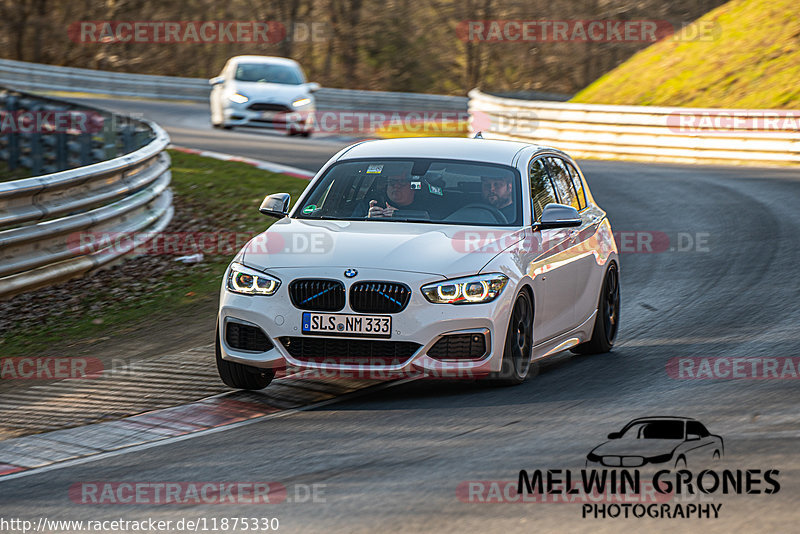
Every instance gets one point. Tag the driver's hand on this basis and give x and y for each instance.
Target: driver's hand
(377, 211)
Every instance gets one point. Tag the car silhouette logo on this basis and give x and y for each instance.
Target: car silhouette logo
(675, 441)
(350, 273)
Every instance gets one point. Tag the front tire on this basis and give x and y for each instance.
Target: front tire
(519, 344)
(606, 323)
(240, 376)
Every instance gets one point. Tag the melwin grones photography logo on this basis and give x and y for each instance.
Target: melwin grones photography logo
(653, 467)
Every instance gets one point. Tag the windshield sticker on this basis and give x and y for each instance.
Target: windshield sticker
(374, 169)
(434, 190)
(309, 209)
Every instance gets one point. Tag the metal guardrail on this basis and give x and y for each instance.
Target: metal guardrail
(639, 133)
(49, 224)
(46, 135)
(39, 77)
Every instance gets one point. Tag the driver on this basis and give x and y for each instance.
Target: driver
(399, 195)
(497, 192)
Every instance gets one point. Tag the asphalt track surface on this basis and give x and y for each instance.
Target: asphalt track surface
(392, 460)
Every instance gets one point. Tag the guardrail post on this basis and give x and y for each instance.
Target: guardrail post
(109, 137)
(85, 141)
(13, 136)
(37, 153)
(127, 139)
(61, 159)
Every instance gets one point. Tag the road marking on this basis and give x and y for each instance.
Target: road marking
(260, 164)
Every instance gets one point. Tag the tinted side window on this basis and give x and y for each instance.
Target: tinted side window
(563, 182)
(542, 192)
(578, 184)
(694, 427)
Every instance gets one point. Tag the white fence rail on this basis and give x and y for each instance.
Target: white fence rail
(642, 133)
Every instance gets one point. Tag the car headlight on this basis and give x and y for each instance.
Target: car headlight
(471, 290)
(247, 281)
(301, 102)
(238, 98)
(660, 459)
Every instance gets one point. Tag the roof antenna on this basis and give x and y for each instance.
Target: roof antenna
(478, 135)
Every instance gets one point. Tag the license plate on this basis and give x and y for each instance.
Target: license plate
(340, 324)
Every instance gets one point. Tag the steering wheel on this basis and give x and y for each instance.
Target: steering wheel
(496, 213)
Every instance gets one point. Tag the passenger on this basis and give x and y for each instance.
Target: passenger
(497, 191)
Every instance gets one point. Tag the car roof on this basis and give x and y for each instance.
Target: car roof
(662, 418)
(458, 148)
(274, 60)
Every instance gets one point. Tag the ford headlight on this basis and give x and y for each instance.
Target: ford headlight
(247, 281)
(471, 290)
(300, 102)
(238, 98)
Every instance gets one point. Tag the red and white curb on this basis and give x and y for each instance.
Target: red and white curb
(259, 164)
(62, 448)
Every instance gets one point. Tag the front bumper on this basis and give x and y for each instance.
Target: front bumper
(420, 322)
(300, 120)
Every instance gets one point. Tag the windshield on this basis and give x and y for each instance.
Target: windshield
(655, 430)
(266, 73)
(419, 190)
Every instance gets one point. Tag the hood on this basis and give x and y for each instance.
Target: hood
(416, 247)
(637, 447)
(278, 93)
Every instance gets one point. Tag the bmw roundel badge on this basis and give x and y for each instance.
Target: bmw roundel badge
(350, 273)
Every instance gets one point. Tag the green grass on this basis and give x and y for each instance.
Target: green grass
(746, 55)
(227, 194)
(7, 175)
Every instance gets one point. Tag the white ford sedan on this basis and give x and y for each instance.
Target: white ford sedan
(263, 91)
(433, 256)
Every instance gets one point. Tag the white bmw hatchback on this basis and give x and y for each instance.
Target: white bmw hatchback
(433, 256)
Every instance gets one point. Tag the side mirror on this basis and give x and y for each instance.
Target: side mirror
(558, 216)
(692, 437)
(313, 87)
(276, 205)
(614, 435)
(216, 81)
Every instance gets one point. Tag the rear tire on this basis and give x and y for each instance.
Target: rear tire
(606, 323)
(239, 376)
(516, 365)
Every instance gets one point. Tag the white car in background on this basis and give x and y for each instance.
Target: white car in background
(445, 256)
(263, 91)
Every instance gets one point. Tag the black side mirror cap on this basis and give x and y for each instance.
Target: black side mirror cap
(558, 216)
(276, 205)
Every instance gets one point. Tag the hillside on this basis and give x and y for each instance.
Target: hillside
(748, 57)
